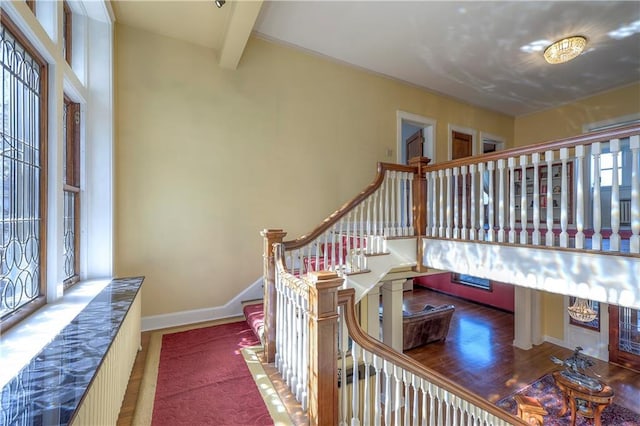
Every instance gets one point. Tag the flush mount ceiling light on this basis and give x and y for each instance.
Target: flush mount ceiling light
(565, 50)
(220, 3)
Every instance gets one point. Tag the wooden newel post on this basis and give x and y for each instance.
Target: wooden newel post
(323, 348)
(419, 203)
(270, 237)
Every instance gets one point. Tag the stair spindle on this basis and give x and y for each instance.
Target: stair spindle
(614, 240)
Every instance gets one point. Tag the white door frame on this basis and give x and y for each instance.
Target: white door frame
(429, 126)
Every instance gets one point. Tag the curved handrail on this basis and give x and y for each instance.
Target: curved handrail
(570, 142)
(346, 298)
(346, 208)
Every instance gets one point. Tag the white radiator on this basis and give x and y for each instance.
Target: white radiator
(625, 212)
(101, 405)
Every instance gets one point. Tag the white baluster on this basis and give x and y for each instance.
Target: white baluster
(524, 203)
(511, 163)
(369, 223)
(305, 355)
(614, 240)
(387, 367)
(564, 203)
(501, 200)
(448, 206)
(549, 237)
(579, 185)
(456, 203)
(634, 244)
(377, 391)
(424, 402)
(441, 201)
(343, 348)
(400, 191)
(464, 231)
(392, 208)
(415, 415)
(406, 379)
(387, 213)
(481, 206)
(473, 202)
(535, 235)
(397, 395)
(434, 204)
(366, 392)
(432, 404)
(411, 231)
(491, 232)
(355, 385)
(596, 239)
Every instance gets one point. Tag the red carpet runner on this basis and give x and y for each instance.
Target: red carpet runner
(203, 379)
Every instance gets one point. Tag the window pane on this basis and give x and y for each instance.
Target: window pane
(69, 230)
(606, 161)
(20, 151)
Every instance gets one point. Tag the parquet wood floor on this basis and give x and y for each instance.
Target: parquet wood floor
(478, 354)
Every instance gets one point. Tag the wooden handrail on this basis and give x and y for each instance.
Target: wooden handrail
(346, 298)
(571, 142)
(346, 208)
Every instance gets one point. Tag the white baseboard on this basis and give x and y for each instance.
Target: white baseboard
(233, 308)
(556, 341)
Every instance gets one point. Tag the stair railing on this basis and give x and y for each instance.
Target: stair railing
(540, 194)
(391, 206)
(341, 376)
(359, 228)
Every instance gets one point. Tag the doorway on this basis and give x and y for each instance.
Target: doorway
(624, 336)
(415, 137)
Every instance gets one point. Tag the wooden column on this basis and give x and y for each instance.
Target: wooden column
(323, 348)
(270, 237)
(419, 204)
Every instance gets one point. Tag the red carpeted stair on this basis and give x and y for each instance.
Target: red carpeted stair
(254, 313)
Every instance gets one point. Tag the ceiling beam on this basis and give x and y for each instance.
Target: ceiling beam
(243, 18)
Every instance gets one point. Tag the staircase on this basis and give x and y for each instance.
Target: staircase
(497, 216)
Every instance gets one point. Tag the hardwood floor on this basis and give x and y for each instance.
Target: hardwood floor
(478, 354)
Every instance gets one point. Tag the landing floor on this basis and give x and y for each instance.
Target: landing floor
(479, 353)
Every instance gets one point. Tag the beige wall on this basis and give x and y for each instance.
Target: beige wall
(569, 120)
(206, 157)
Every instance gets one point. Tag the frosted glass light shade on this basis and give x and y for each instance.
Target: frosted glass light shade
(565, 50)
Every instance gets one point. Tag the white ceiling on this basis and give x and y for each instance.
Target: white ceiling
(476, 51)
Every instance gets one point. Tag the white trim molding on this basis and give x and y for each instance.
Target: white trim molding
(233, 308)
(429, 126)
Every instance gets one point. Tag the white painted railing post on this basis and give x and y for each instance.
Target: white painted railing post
(634, 144)
(501, 200)
(614, 147)
(433, 197)
(474, 202)
(491, 232)
(465, 233)
(579, 186)
(596, 239)
(481, 207)
(535, 235)
(456, 204)
(523, 200)
(564, 204)
(449, 193)
(512, 199)
(549, 237)
(441, 201)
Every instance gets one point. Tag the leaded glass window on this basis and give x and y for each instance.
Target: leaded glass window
(23, 81)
